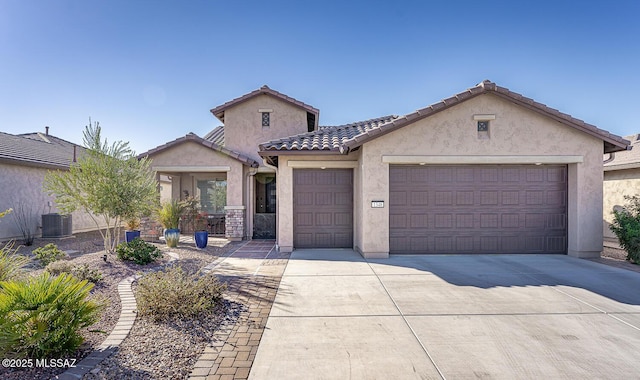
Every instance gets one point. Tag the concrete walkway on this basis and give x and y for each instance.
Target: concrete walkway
(339, 316)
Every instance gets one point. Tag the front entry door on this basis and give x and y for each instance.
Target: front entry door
(264, 219)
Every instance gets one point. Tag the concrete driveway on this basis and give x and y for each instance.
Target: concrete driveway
(339, 316)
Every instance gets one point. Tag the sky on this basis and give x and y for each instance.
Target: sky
(150, 71)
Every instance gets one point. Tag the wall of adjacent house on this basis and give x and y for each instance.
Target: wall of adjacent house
(243, 130)
(22, 189)
(515, 131)
(617, 184)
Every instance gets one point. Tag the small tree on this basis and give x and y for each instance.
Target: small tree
(108, 182)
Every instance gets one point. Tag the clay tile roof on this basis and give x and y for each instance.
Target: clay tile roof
(216, 136)
(219, 110)
(628, 159)
(326, 138)
(348, 137)
(37, 149)
(197, 139)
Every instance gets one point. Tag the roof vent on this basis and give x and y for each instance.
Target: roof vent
(46, 130)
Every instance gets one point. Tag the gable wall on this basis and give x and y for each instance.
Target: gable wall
(516, 131)
(243, 130)
(191, 154)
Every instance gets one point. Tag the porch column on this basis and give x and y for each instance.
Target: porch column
(234, 222)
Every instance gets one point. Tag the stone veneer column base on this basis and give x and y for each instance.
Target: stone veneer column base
(234, 222)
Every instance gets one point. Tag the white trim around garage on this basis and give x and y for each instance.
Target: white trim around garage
(480, 160)
(322, 164)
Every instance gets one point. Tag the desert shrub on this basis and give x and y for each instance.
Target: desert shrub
(79, 271)
(48, 254)
(84, 272)
(138, 251)
(11, 263)
(40, 317)
(173, 292)
(626, 226)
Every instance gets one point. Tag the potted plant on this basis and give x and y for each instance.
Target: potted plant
(132, 226)
(169, 216)
(195, 221)
(200, 234)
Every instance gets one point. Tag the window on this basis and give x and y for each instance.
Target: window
(483, 129)
(213, 195)
(265, 119)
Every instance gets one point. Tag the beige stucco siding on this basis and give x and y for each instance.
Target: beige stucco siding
(515, 131)
(243, 130)
(284, 219)
(189, 157)
(618, 184)
(23, 184)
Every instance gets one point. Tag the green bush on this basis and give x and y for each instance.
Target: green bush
(626, 226)
(40, 317)
(79, 271)
(11, 263)
(138, 251)
(48, 254)
(169, 293)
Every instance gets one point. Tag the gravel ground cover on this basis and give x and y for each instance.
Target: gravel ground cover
(165, 350)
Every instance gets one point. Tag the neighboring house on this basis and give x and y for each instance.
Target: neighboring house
(621, 178)
(24, 161)
(485, 171)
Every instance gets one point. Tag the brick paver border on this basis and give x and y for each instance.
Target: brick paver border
(128, 314)
(231, 353)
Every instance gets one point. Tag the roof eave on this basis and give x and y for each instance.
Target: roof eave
(33, 163)
(298, 152)
(191, 137)
(218, 111)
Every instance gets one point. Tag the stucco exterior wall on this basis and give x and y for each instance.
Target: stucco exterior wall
(515, 131)
(189, 157)
(243, 130)
(616, 185)
(284, 218)
(23, 184)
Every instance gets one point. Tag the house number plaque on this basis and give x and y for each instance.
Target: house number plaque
(377, 204)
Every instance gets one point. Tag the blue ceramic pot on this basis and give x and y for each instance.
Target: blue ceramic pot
(171, 237)
(201, 238)
(130, 235)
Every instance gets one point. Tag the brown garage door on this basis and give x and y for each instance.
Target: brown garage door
(478, 209)
(322, 208)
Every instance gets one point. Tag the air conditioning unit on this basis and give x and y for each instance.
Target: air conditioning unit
(56, 225)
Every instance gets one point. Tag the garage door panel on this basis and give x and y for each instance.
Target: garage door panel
(505, 209)
(304, 199)
(343, 219)
(398, 198)
(323, 208)
(400, 221)
(464, 198)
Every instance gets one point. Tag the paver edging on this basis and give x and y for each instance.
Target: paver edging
(119, 333)
(221, 357)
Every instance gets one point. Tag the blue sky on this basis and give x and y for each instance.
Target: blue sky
(150, 71)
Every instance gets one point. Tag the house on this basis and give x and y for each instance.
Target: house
(24, 161)
(621, 178)
(484, 171)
